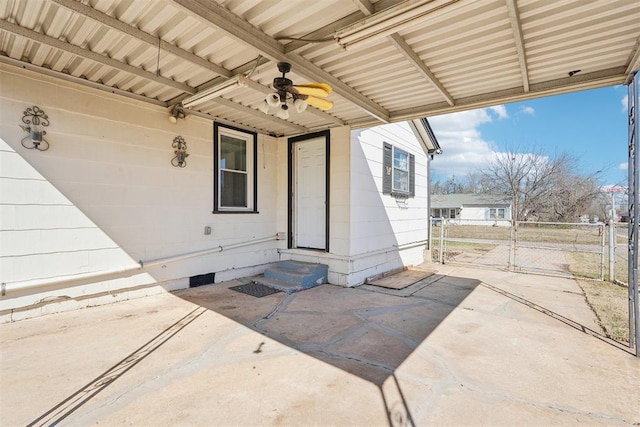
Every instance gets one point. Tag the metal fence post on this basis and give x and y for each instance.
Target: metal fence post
(612, 251)
(602, 245)
(515, 245)
(430, 234)
(442, 241)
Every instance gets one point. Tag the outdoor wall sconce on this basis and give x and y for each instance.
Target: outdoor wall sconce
(180, 145)
(34, 120)
(177, 112)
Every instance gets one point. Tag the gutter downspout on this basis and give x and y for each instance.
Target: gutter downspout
(123, 272)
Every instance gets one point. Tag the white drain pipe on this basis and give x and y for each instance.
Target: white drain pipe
(124, 272)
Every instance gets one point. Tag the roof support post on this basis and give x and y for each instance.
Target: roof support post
(634, 205)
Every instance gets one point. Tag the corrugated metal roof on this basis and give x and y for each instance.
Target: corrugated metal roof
(420, 58)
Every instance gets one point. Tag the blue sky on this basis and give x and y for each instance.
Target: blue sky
(592, 125)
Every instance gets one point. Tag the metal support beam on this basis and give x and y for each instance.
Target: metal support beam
(246, 33)
(414, 59)
(633, 62)
(114, 23)
(634, 208)
(396, 39)
(79, 80)
(96, 57)
(514, 18)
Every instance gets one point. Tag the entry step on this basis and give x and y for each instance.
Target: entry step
(292, 276)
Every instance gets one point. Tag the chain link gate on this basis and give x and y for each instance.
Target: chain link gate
(559, 249)
(478, 242)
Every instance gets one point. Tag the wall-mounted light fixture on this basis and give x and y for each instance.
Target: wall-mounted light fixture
(35, 120)
(177, 112)
(180, 146)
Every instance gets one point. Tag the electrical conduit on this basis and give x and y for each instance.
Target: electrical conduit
(124, 272)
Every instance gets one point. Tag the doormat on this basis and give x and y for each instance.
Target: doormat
(401, 279)
(255, 289)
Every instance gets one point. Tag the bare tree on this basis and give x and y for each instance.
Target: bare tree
(472, 183)
(540, 186)
(475, 182)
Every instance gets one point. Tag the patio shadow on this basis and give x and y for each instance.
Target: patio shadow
(366, 333)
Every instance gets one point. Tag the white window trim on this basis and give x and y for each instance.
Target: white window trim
(249, 139)
(394, 168)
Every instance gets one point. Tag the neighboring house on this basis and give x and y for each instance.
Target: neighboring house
(103, 215)
(472, 209)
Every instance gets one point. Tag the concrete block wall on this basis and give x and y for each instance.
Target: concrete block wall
(105, 195)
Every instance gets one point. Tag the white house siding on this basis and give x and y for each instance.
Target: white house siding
(386, 233)
(105, 196)
(480, 215)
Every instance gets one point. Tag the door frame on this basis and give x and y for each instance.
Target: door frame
(290, 194)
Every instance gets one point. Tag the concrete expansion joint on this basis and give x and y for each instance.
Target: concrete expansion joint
(342, 356)
(280, 306)
(604, 417)
(500, 395)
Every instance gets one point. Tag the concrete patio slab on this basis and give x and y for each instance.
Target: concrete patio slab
(470, 347)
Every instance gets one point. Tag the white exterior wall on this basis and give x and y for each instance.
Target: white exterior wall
(479, 215)
(105, 196)
(386, 234)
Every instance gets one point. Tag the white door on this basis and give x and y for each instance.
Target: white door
(309, 195)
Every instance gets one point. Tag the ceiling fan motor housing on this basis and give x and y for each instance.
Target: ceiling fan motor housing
(284, 67)
(281, 83)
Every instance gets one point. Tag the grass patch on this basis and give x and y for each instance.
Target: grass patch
(583, 264)
(454, 249)
(573, 234)
(610, 304)
(608, 301)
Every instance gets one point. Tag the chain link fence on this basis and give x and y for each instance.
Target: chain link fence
(580, 250)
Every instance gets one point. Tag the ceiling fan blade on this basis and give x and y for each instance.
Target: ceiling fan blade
(323, 104)
(323, 86)
(320, 90)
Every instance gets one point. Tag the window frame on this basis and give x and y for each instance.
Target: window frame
(251, 155)
(394, 189)
(389, 168)
(496, 213)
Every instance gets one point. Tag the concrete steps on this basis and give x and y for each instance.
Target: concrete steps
(294, 276)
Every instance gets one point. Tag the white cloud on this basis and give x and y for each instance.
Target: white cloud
(464, 150)
(625, 103)
(527, 110)
(623, 166)
(500, 110)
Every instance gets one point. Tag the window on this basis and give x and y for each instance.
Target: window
(496, 213)
(398, 174)
(451, 213)
(235, 170)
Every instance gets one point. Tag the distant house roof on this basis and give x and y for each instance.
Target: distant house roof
(422, 130)
(439, 201)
